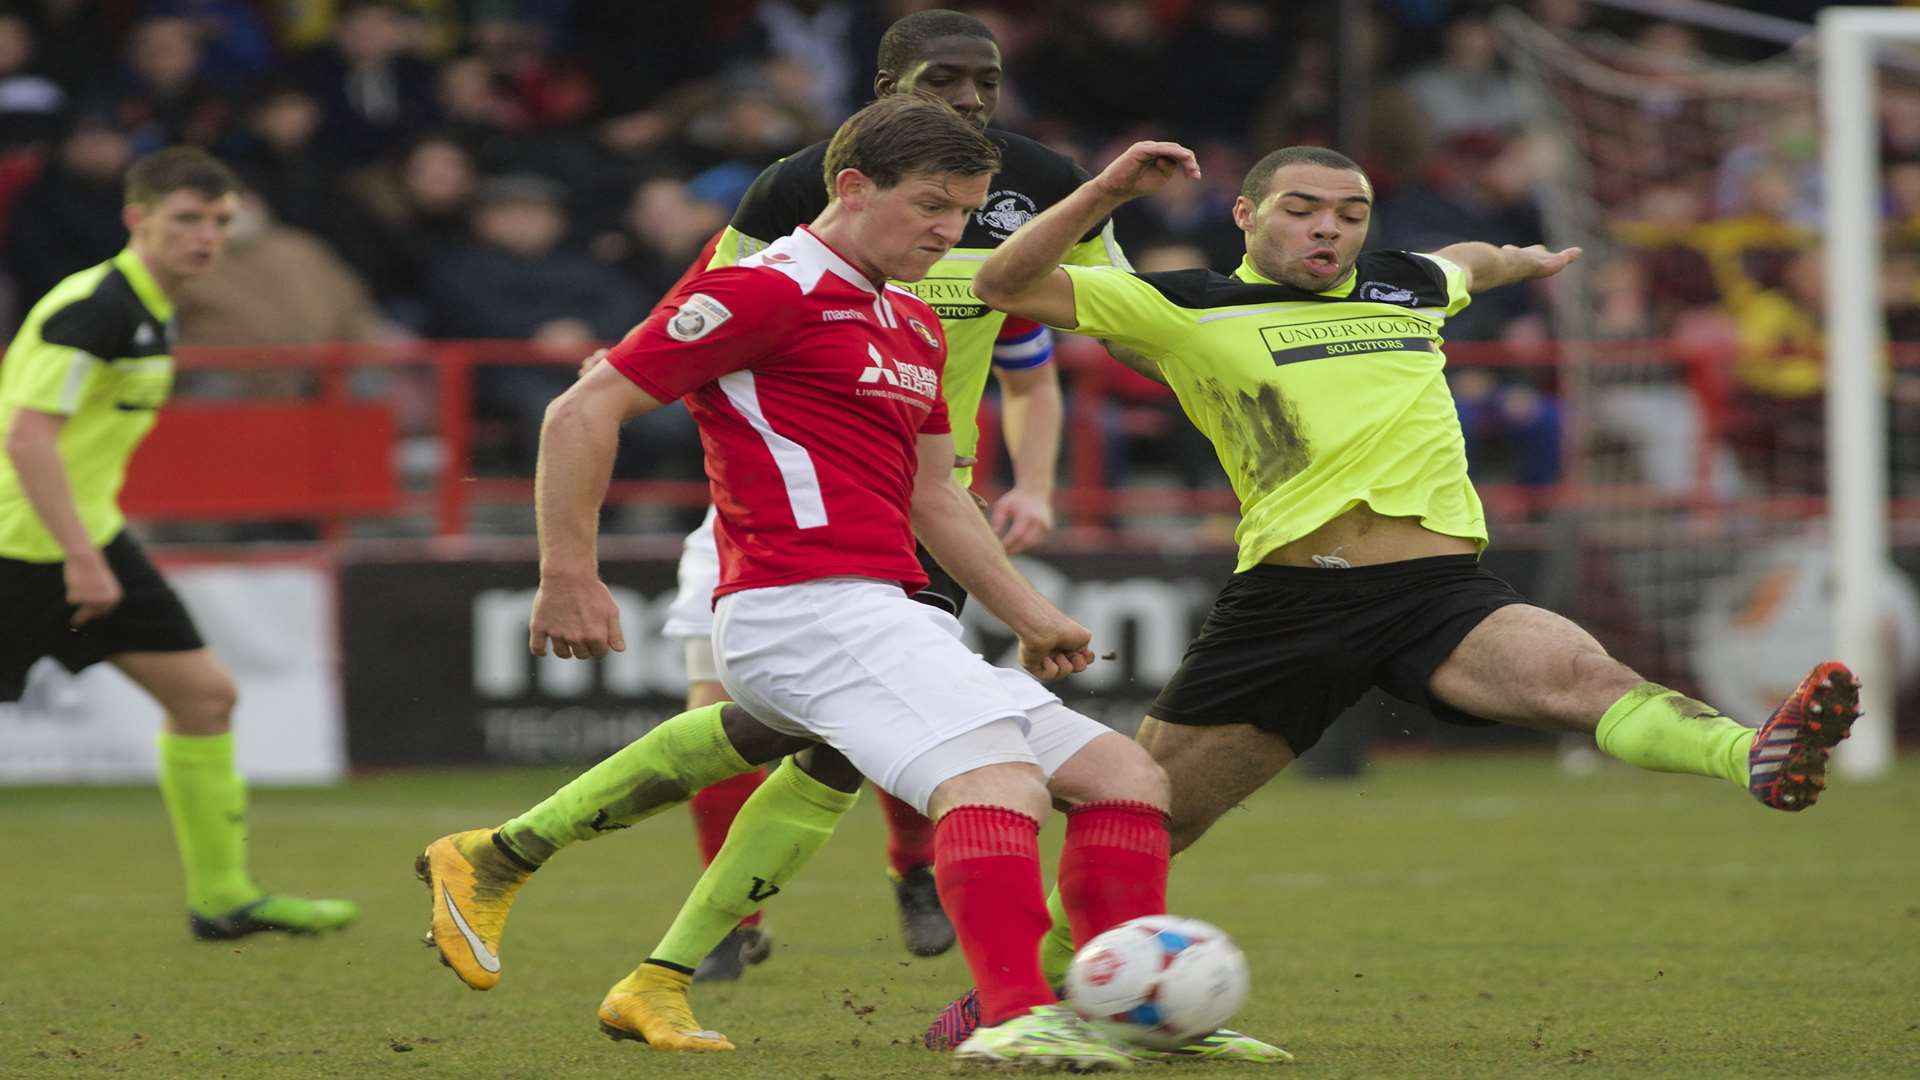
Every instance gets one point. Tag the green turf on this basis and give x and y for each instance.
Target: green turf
(1463, 917)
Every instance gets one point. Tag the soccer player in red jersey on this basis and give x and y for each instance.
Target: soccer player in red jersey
(954, 57)
(817, 389)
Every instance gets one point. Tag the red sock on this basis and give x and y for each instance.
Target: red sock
(987, 865)
(909, 835)
(1113, 866)
(714, 808)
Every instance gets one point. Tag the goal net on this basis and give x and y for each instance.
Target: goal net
(1694, 535)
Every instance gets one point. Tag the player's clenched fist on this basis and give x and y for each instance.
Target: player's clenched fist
(1145, 168)
(1056, 650)
(579, 617)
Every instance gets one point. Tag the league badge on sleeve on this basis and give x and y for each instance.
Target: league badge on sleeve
(697, 317)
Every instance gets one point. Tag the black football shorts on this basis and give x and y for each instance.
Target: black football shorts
(34, 616)
(1289, 648)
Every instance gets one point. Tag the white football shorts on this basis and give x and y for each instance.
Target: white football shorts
(885, 680)
(690, 615)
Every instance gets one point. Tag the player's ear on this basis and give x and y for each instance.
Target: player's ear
(131, 215)
(1243, 215)
(852, 187)
(884, 84)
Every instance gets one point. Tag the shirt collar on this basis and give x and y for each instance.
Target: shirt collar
(840, 266)
(1248, 274)
(148, 290)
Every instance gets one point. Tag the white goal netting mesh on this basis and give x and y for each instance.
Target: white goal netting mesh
(1691, 536)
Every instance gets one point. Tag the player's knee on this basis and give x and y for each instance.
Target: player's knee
(203, 706)
(1113, 767)
(754, 741)
(1014, 785)
(1136, 776)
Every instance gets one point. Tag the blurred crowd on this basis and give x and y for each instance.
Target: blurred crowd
(545, 169)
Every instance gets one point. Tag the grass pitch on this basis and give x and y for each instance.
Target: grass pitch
(1443, 917)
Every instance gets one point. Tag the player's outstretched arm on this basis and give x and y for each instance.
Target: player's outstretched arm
(948, 523)
(1490, 267)
(577, 440)
(1023, 276)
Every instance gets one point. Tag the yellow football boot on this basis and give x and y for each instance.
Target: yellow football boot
(473, 882)
(651, 1006)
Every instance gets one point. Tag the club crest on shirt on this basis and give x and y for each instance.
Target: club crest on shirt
(1004, 212)
(926, 335)
(697, 317)
(1386, 294)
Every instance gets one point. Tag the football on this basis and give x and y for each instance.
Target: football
(1159, 981)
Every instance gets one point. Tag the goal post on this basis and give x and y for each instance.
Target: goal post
(1859, 526)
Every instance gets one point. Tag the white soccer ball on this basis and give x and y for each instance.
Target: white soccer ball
(1159, 981)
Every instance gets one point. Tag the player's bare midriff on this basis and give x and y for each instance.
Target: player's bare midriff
(1361, 537)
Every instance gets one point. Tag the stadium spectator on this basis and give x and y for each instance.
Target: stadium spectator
(1467, 92)
(275, 285)
(516, 282)
(428, 27)
(69, 218)
(162, 99)
(30, 103)
(664, 228)
(543, 88)
(1101, 71)
(417, 205)
(236, 47)
(1658, 231)
(1779, 379)
(373, 92)
(277, 153)
(1474, 186)
(1221, 67)
(1660, 421)
(74, 37)
(818, 48)
(474, 102)
(1512, 429)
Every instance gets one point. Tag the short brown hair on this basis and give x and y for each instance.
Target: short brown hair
(178, 168)
(904, 135)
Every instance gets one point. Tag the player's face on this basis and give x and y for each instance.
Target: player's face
(1308, 229)
(182, 234)
(908, 227)
(962, 71)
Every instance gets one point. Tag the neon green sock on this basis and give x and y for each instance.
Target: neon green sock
(207, 800)
(1664, 730)
(779, 828)
(662, 768)
(1056, 949)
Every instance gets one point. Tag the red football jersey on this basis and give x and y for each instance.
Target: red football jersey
(811, 386)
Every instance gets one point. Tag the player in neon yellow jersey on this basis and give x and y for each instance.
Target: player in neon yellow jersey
(80, 388)
(1317, 373)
